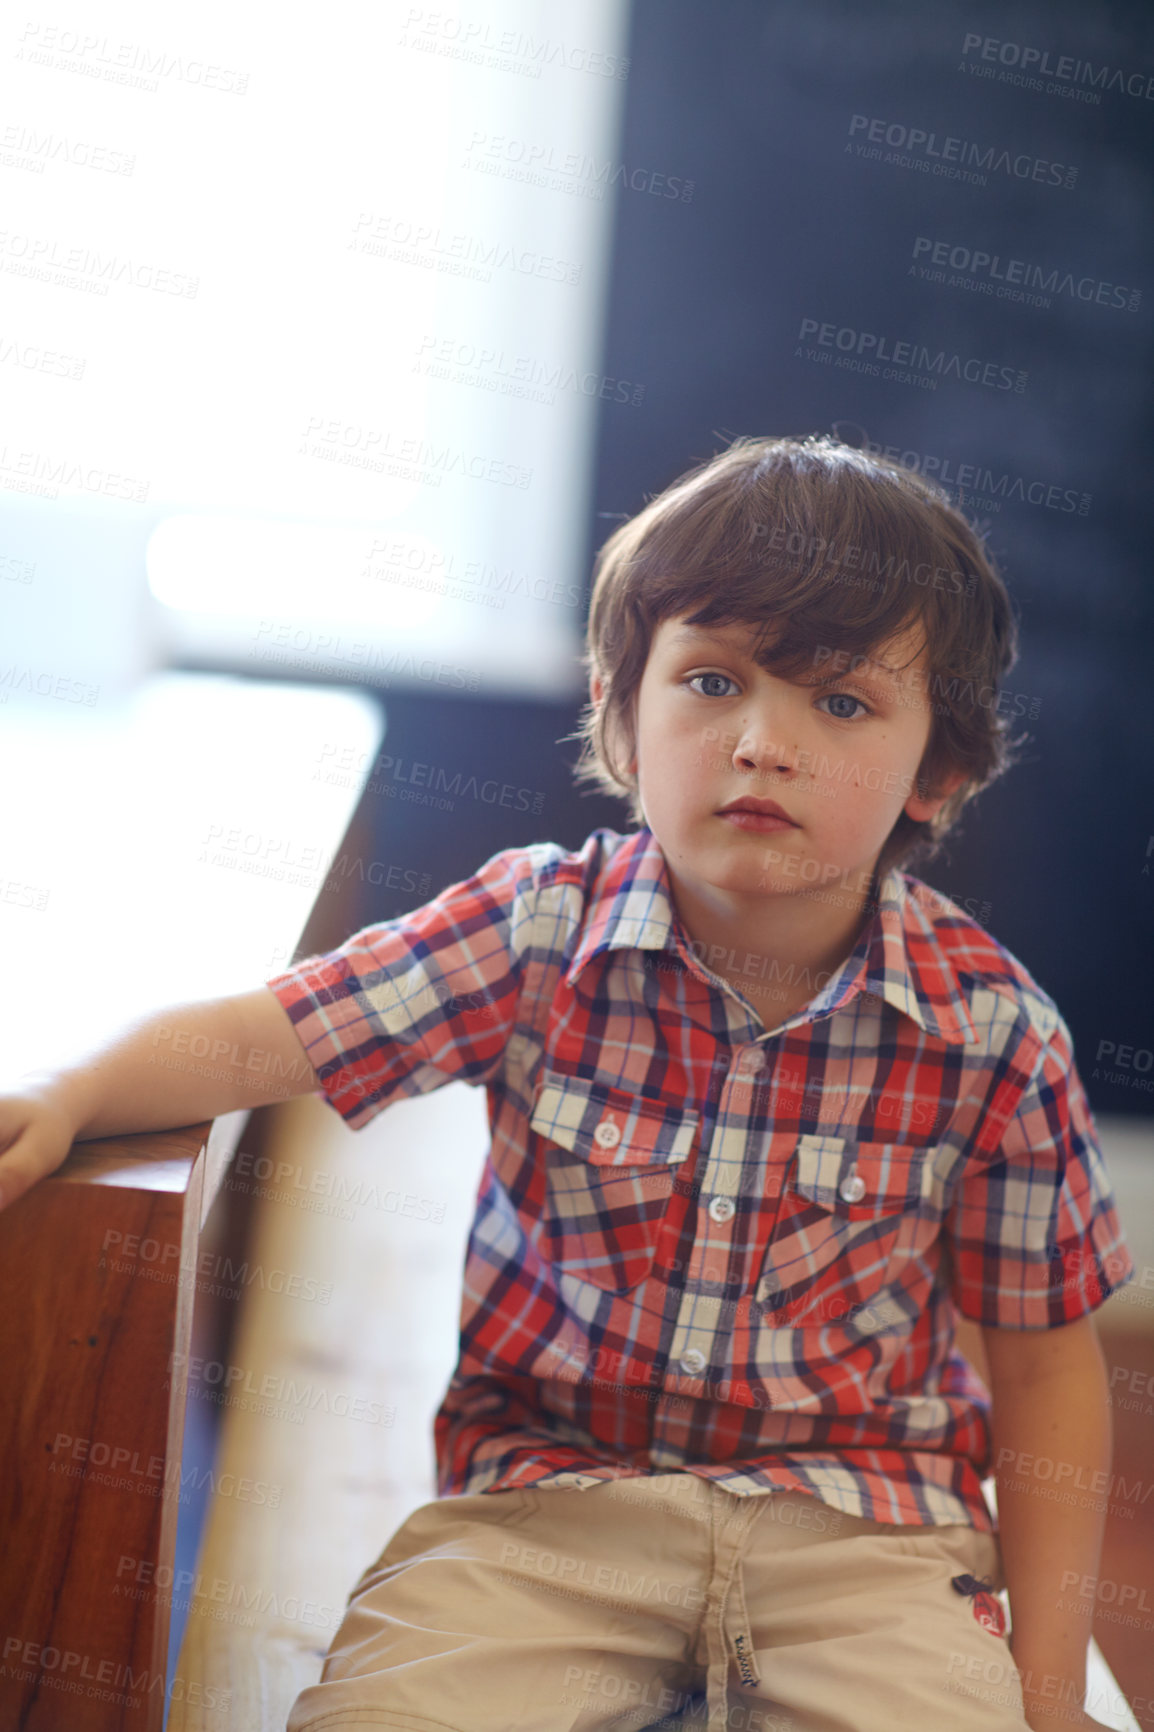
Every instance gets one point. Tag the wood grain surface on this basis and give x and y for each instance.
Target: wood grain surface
(91, 1425)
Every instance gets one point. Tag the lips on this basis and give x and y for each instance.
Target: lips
(761, 808)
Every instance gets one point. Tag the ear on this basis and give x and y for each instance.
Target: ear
(920, 809)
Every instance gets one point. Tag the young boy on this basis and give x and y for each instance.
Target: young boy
(767, 1114)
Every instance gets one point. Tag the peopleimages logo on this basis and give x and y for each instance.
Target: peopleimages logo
(137, 64)
(1037, 63)
(545, 164)
(1013, 275)
(866, 351)
(981, 486)
(955, 158)
(483, 43)
(24, 147)
(47, 253)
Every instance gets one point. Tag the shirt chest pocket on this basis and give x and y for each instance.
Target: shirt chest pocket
(608, 1156)
(853, 1217)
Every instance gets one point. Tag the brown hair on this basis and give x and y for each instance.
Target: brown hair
(823, 548)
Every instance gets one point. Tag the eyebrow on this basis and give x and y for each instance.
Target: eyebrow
(876, 674)
(695, 633)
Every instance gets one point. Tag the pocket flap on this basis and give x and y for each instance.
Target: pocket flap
(611, 1127)
(862, 1180)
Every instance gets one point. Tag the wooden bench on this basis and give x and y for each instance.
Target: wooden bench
(271, 1587)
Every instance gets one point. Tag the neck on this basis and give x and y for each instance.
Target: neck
(781, 950)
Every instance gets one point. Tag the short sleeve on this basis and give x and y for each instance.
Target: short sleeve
(1035, 1236)
(403, 1007)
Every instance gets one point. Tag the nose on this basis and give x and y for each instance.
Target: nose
(757, 752)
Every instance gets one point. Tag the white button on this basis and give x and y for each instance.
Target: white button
(694, 1362)
(852, 1188)
(723, 1208)
(607, 1135)
(753, 1060)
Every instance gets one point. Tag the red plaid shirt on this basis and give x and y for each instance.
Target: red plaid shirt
(702, 1246)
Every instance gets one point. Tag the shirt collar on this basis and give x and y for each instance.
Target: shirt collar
(898, 955)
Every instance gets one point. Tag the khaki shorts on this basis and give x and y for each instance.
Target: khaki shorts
(618, 1605)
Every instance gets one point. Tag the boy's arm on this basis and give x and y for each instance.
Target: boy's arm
(1050, 1402)
(175, 1066)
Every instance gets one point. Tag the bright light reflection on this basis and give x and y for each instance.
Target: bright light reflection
(239, 567)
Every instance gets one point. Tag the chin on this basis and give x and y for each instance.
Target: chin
(739, 877)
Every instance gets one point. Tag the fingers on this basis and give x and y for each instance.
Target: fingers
(32, 1151)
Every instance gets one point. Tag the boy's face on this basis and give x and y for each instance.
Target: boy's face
(837, 751)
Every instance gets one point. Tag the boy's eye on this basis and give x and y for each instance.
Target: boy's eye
(724, 678)
(844, 698)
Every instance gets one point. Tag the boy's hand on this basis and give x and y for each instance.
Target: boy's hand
(36, 1133)
(150, 1077)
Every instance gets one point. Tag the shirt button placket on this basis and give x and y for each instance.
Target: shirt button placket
(750, 1063)
(701, 1313)
(721, 1207)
